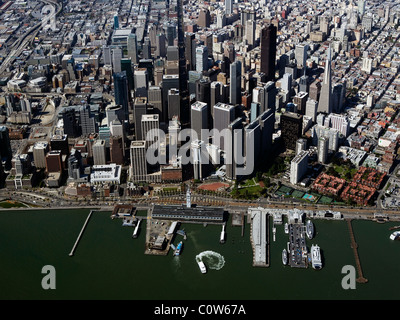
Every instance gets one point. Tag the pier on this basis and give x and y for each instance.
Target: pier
(80, 233)
(354, 245)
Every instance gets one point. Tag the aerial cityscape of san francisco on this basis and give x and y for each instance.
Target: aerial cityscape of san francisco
(199, 150)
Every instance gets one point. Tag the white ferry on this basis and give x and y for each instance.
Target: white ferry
(316, 257)
(202, 266)
(395, 235)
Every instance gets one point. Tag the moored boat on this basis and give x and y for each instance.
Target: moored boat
(284, 257)
(286, 228)
(310, 229)
(316, 257)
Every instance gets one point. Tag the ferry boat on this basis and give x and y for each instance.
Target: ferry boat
(284, 257)
(395, 235)
(316, 257)
(310, 229)
(286, 228)
(178, 249)
(202, 266)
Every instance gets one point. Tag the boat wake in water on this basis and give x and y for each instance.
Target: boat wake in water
(212, 259)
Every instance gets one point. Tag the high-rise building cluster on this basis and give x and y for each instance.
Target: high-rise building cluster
(247, 77)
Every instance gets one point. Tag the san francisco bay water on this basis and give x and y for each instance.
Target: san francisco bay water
(109, 264)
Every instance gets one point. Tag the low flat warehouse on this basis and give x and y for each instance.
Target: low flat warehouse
(183, 213)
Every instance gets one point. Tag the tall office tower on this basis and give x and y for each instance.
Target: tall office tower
(254, 111)
(121, 93)
(203, 91)
(183, 76)
(315, 90)
(301, 55)
(224, 114)
(235, 92)
(221, 19)
(170, 81)
(301, 144)
(204, 19)
(170, 32)
(201, 58)
(194, 76)
(325, 99)
(300, 99)
(323, 149)
(361, 7)
(87, 120)
(105, 134)
(60, 142)
(107, 57)
(324, 25)
(190, 50)
(199, 118)
(234, 152)
(141, 82)
(114, 112)
(99, 152)
(174, 103)
(132, 48)
(269, 97)
(117, 129)
(291, 129)
(74, 164)
(40, 150)
(215, 94)
(70, 125)
(172, 53)
(155, 99)
(117, 150)
(54, 161)
(228, 7)
(199, 159)
(116, 59)
(303, 83)
(311, 109)
(116, 22)
(268, 51)
(138, 167)
(298, 166)
(150, 122)
(252, 143)
(161, 51)
(126, 65)
(139, 109)
(250, 32)
(267, 127)
(286, 82)
(146, 50)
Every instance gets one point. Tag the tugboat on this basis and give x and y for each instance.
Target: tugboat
(284, 257)
(178, 249)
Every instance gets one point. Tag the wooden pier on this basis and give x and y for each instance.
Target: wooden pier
(354, 245)
(80, 234)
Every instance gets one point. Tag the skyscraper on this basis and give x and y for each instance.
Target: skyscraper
(291, 128)
(268, 51)
(201, 58)
(121, 92)
(228, 7)
(199, 118)
(116, 59)
(235, 95)
(138, 161)
(139, 109)
(224, 114)
(87, 120)
(325, 99)
(132, 48)
(99, 152)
